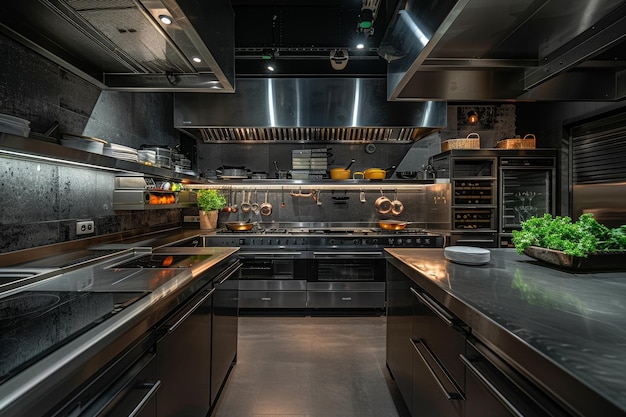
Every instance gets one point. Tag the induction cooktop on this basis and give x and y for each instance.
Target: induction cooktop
(35, 323)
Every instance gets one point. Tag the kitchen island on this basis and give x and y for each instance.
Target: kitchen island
(81, 352)
(561, 334)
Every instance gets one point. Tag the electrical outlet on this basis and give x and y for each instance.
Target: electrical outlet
(85, 227)
(191, 219)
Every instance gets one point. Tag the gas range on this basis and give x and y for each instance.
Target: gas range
(353, 238)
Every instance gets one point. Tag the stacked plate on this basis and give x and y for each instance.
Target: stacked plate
(467, 255)
(121, 152)
(83, 143)
(14, 125)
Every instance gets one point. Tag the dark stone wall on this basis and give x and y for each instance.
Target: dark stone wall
(42, 201)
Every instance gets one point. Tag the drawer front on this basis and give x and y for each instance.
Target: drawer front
(272, 285)
(346, 299)
(272, 299)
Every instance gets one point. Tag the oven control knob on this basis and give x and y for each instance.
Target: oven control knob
(408, 242)
(427, 241)
(399, 242)
(390, 241)
(374, 241)
(356, 242)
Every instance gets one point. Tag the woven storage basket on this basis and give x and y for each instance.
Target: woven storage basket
(527, 142)
(472, 141)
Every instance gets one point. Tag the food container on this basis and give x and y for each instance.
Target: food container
(471, 141)
(529, 141)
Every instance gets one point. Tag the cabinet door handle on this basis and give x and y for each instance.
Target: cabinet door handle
(189, 312)
(226, 275)
(449, 395)
(490, 387)
(145, 399)
(439, 312)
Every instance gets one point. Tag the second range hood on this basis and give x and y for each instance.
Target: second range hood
(304, 110)
(504, 50)
(127, 44)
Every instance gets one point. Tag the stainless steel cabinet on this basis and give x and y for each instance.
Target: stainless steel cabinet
(224, 329)
(438, 375)
(399, 353)
(184, 360)
(495, 390)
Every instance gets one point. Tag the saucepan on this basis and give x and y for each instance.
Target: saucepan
(392, 224)
(341, 173)
(239, 226)
(373, 173)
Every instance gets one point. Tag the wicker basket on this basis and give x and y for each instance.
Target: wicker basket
(472, 141)
(527, 142)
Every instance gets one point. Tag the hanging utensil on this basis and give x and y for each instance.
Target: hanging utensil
(383, 204)
(396, 205)
(245, 205)
(233, 208)
(282, 197)
(255, 205)
(266, 208)
(362, 196)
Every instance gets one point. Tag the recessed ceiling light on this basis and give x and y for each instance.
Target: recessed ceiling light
(271, 68)
(196, 59)
(167, 20)
(360, 46)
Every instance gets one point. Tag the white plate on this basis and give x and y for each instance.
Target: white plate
(467, 255)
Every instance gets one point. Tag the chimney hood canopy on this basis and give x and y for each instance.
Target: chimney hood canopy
(306, 109)
(501, 50)
(131, 45)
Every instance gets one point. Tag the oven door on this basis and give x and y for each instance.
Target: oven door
(347, 279)
(272, 279)
(353, 266)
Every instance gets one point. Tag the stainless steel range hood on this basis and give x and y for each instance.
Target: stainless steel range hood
(506, 50)
(306, 109)
(124, 44)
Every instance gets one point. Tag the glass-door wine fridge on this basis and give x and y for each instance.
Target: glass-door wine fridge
(527, 189)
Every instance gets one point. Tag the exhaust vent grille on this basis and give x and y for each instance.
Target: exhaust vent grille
(301, 134)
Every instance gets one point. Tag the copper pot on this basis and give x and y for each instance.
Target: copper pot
(239, 226)
(383, 204)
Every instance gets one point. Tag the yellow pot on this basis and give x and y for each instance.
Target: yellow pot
(340, 174)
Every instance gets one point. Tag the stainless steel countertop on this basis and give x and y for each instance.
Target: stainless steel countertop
(566, 331)
(138, 318)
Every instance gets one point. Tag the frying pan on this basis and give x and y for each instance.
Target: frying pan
(239, 226)
(392, 224)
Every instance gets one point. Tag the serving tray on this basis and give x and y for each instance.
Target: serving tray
(604, 261)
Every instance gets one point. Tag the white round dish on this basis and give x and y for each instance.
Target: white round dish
(467, 255)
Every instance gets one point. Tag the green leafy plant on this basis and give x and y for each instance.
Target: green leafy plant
(580, 238)
(209, 200)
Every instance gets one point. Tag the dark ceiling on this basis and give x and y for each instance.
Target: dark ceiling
(303, 34)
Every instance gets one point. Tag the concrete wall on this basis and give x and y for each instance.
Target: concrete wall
(41, 201)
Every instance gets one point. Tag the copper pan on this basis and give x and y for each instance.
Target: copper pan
(394, 225)
(239, 226)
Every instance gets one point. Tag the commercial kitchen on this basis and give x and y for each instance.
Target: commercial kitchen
(371, 196)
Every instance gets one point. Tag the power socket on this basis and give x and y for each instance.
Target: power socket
(191, 219)
(85, 227)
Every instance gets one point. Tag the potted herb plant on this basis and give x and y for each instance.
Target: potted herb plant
(210, 202)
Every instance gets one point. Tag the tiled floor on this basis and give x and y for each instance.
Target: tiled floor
(310, 367)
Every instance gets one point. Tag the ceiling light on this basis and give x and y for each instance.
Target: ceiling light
(196, 59)
(167, 20)
(472, 117)
(360, 45)
(270, 67)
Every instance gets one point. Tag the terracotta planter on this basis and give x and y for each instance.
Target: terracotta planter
(208, 219)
